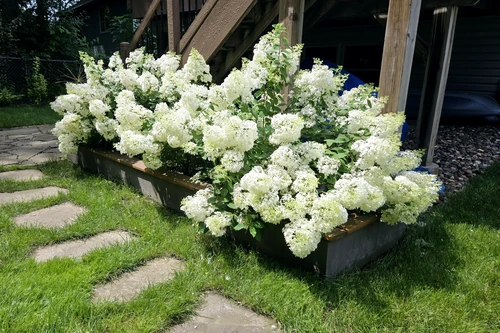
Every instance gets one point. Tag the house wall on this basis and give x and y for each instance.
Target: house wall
(475, 61)
(92, 30)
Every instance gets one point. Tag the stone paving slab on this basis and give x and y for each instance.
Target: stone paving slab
(20, 131)
(52, 217)
(79, 248)
(220, 315)
(29, 195)
(28, 145)
(131, 284)
(21, 175)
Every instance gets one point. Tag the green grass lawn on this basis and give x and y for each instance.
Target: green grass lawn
(443, 277)
(27, 115)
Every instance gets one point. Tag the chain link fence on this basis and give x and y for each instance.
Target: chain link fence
(15, 75)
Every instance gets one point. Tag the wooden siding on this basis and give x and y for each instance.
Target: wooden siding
(475, 61)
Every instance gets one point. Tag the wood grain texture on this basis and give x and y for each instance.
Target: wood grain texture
(396, 57)
(174, 25)
(145, 22)
(216, 28)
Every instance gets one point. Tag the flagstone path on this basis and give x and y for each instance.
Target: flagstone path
(30, 195)
(219, 314)
(52, 217)
(21, 175)
(28, 145)
(78, 248)
(131, 284)
(35, 145)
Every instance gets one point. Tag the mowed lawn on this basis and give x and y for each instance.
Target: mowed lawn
(27, 115)
(443, 277)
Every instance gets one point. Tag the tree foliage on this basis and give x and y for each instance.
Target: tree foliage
(41, 28)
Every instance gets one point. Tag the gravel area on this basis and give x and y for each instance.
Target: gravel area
(464, 150)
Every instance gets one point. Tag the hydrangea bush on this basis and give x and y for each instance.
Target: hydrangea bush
(302, 162)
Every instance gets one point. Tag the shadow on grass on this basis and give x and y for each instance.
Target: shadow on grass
(425, 259)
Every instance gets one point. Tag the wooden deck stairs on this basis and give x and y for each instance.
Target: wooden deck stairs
(224, 31)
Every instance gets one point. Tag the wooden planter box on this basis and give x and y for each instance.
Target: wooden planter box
(354, 244)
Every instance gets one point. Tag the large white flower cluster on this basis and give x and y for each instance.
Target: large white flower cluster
(302, 163)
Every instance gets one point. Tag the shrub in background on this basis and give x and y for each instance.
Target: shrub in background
(7, 97)
(37, 85)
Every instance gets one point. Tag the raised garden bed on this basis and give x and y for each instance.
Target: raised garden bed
(354, 244)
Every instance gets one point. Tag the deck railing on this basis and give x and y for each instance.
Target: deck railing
(162, 26)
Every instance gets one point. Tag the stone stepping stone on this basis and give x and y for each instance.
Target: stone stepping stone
(78, 248)
(220, 314)
(21, 175)
(52, 217)
(131, 284)
(29, 195)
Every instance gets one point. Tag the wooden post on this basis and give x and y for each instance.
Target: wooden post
(436, 76)
(124, 51)
(397, 57)
(291, 14)
(174, 25)
(145, 21)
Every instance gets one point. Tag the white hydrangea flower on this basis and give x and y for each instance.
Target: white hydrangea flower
(171, 126)
(98, 109)
(285, 157)
(328, 165)
(197, 206)
(136, 59)
(107, 128)
(257, 181)
(128, 78)
(287, 128)
(195, 69)
(404, 160)
(375, 150)
(327, 212)
(386, 125)
(357, 193)
(70, 103)
(302, 237)
(134, 143)
(217, 223)
(148, 82)
(309, 151)
(232, 160)
(129, 114)
(305, 181)
(115, 61)
(167, 63)
(228, 133)
(236, 85)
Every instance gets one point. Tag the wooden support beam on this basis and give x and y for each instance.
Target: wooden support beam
(124, 51)
(145, 21)
(291, 14)
(436, 76)
(421, 47)
(174, 25)
(397, 57)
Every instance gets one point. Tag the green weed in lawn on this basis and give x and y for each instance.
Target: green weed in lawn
(443, 277)
(27, 115)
